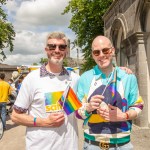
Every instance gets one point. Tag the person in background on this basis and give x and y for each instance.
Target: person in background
(19, 83)
(10, 81)
(110, 99)
(37, 107)
(5, 90)
(12, 96)
(15, 76)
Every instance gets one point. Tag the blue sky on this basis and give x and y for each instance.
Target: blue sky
(32, 21)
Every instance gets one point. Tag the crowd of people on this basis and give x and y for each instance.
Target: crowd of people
(109, 96)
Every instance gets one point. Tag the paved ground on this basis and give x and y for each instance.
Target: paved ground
(14, 138)
(140, 138)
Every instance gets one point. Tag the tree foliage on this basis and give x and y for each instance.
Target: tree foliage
(68, 62)
(35, 64)
(87, 23)
(43, 60)
(7, 32)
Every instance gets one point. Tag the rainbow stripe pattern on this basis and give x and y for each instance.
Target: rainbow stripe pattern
(69, 101)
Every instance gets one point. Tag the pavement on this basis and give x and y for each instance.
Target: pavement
(14, 137)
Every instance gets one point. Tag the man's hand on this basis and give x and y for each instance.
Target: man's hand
(55, 119)
(127, 70)
(113, 114)
(94, 103)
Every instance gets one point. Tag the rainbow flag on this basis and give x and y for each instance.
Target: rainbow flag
(69, 101)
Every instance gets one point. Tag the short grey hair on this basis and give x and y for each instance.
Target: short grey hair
(58, 35)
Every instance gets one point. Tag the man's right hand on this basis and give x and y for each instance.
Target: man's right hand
(55, 119)
(94, 103)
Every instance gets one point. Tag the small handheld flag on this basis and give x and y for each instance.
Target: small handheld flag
(69, 101)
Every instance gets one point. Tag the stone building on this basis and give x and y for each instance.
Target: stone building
(127, 24)
(8, 70)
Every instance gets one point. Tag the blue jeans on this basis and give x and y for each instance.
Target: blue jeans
(88, 146)
(3, 113)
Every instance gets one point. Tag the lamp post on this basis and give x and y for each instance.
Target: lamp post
(77, 54)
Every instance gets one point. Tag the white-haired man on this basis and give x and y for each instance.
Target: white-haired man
(37, 107)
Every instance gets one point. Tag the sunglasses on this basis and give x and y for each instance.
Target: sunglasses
(104, 51)
(62, 47)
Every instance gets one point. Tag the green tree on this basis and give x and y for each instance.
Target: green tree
(65, 62)
(43, 60)
(35, 64)
(7, 33)
(87, 23)
(68, 62)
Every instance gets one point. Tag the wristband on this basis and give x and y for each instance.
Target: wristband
(127, 116)
(34, 121)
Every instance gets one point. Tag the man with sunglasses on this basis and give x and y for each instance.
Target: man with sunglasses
(110, 101)
(37, 107)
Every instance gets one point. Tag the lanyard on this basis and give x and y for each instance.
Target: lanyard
(96, 83)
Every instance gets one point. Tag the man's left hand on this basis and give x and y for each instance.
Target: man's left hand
(113, 114)
(127, 70)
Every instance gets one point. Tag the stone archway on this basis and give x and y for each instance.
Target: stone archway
(127, 24)
(142, 32)
(118, 35)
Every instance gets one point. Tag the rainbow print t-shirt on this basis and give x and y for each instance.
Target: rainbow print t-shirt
(51, 101)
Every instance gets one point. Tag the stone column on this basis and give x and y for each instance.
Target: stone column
(140, 39)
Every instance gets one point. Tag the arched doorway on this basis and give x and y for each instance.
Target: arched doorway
(118, 35)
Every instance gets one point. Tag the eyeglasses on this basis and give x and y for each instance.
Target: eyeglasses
(104, 51)
(62, 47)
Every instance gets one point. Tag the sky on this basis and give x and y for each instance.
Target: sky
(32, 21)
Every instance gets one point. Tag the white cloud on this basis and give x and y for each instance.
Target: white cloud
(27, 42)
(32, 21)
(28, 48)
(19, 59)
(42, 13)
(12, 6)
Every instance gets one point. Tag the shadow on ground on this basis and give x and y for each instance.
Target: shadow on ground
(9, 125)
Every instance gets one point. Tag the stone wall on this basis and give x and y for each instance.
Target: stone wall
(126, 23)
(8, 70)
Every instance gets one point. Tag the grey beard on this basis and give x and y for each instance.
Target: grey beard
(57, 62)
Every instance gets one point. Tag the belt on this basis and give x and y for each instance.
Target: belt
(104, 145)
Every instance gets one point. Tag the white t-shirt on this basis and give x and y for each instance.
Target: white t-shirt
(39, 96)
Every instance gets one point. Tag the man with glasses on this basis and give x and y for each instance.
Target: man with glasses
(110, 101)
(37, 107)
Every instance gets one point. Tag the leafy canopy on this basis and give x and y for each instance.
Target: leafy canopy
(7, 33)
(87, 23)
